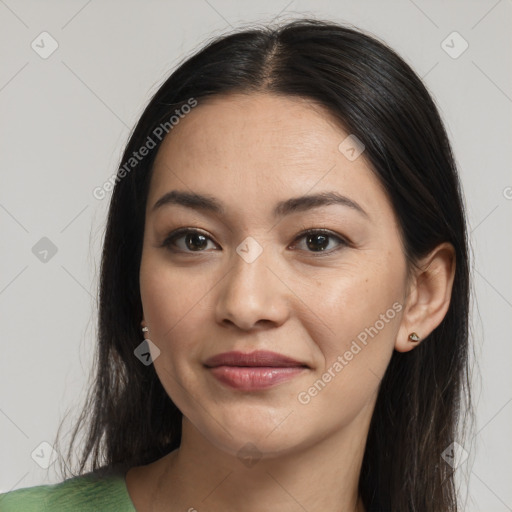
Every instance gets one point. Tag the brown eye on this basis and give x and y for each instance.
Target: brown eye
(317, 242)
(187, 240)
(195, 241)
(320, 241)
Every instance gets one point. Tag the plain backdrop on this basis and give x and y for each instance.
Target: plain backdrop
(69, 99)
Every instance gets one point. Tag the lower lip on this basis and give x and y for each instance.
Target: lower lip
(254, 377)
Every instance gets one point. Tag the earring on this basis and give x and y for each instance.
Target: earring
(414, 337)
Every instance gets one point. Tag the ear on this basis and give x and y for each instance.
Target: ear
(428, 296)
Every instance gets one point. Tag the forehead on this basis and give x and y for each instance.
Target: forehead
(260, 146)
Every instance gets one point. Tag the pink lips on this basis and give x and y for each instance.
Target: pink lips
(253, 371)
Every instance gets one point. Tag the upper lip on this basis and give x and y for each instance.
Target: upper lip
(257, 358)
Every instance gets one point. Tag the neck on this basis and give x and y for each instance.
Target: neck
(323, 476)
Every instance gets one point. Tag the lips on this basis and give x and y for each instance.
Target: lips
(260, 358)
(255, 370)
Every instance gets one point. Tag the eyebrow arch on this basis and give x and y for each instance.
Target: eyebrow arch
(283, 208)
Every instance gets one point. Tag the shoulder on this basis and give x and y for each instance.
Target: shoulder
(90, 492)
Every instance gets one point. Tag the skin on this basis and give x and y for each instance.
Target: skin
(250, 152)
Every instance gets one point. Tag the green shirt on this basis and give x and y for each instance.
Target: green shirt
(86, 493)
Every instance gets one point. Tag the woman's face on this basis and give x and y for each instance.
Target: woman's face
(250, 281)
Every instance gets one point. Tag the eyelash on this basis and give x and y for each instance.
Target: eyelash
(172, 237)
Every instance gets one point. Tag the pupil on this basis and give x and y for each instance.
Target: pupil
(324, 241)
(189, 241)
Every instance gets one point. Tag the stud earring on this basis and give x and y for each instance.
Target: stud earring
(414, 337)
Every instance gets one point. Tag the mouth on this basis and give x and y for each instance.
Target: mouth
(255, 370)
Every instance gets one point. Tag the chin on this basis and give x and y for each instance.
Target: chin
(253, 439)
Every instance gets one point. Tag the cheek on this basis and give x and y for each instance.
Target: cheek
(174, 301)
(360, 313)
(170, 294)
(354, 299)
(356, 351)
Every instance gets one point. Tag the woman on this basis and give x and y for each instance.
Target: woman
(287, 233)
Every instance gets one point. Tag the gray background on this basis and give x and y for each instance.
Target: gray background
(65, 119)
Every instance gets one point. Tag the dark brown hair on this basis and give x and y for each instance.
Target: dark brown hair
(128, 418)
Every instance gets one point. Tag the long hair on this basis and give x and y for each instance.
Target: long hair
(128, 418)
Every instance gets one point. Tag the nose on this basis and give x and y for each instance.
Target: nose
(252, 295)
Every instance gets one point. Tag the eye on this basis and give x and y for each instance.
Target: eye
(193, 240)
(190, 240)
(319, 240)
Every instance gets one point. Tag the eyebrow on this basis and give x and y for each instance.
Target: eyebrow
(283, 208)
